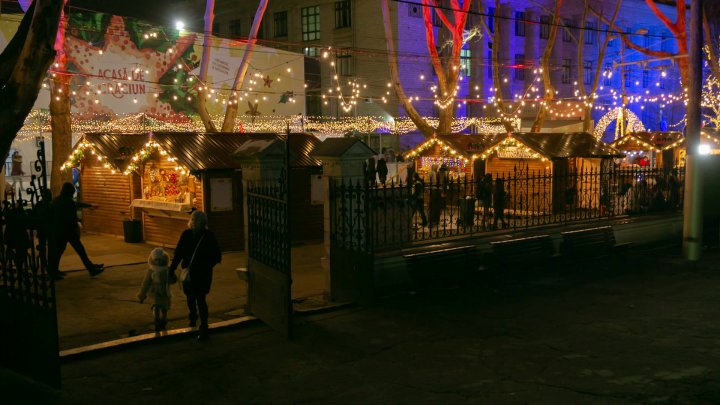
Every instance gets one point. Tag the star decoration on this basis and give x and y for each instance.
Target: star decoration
(253, 111)
(268, 81)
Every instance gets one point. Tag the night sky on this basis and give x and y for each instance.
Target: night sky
(151, 10)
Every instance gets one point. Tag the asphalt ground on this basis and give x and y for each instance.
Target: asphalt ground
(640, 329)
(95, 310)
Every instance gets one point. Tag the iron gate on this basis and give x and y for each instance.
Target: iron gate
(353, 236)
(29, 338)
(269, 270)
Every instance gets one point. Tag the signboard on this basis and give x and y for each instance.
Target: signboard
(221, 194)
(514, 152)
(124, 66)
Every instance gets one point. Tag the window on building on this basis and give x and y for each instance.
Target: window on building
(310, 22)
(342, 14)
(647, 40)
(590, 33)
(311, 51)
(545, 26)
(235, 28)
(519, 73)
(344, 63)
(566, 70)
(566, 29)
(280, 22)
(587, 72)
(646, 79)
(607, 74)
(519, 24)
(491, 19)
(414, 10)
(627, 76)
(489, 62)
(465, 62)
(216, 28)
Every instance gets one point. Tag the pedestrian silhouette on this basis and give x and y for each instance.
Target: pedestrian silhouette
(65, 229)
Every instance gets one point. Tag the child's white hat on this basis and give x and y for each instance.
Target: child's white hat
(158, 257)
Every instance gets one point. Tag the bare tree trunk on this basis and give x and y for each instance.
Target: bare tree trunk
(587, 119)
(231, 110)
(203, 90)
(496, 68)
(549, 90)
(19, 89)
(60, 114)
(61, 124)
(416, 118)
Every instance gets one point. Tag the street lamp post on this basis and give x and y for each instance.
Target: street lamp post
(692, 199)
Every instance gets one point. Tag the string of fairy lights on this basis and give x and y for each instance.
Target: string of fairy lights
(38, 122)
(347, 90)
(508, 142)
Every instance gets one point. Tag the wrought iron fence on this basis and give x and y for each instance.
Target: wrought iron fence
(377, 217)
(29, 341)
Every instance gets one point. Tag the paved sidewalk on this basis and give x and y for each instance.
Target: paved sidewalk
(94, 310)
(644, 330)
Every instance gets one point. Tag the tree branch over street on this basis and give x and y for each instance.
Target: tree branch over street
(20, 88)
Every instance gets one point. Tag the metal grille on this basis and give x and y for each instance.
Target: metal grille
(268, 224)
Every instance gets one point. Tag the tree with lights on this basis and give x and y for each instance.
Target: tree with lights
(589, 96)
(23, 66)
(232, 104)
(446, 69)
(204, 64)
(711, 88)
(60, 114)
(499, 101)
(548, 89)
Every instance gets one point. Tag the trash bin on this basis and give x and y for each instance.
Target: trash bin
(467, 211)
(132, 230)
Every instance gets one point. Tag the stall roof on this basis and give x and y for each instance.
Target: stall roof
(198, 151)
(117, 148)
(563, 145)
(657, 140)
(205, 151)
(338, 147)
(549, 145)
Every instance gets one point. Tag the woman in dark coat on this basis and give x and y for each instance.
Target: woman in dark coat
(197, 251)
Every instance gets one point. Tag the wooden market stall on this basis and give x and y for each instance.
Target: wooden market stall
(534, 165)
(157, 179)
(651, 149)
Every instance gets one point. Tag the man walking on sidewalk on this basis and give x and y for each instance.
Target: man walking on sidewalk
(65, 229)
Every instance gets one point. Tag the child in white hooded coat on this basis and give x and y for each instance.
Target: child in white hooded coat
(156, 285)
